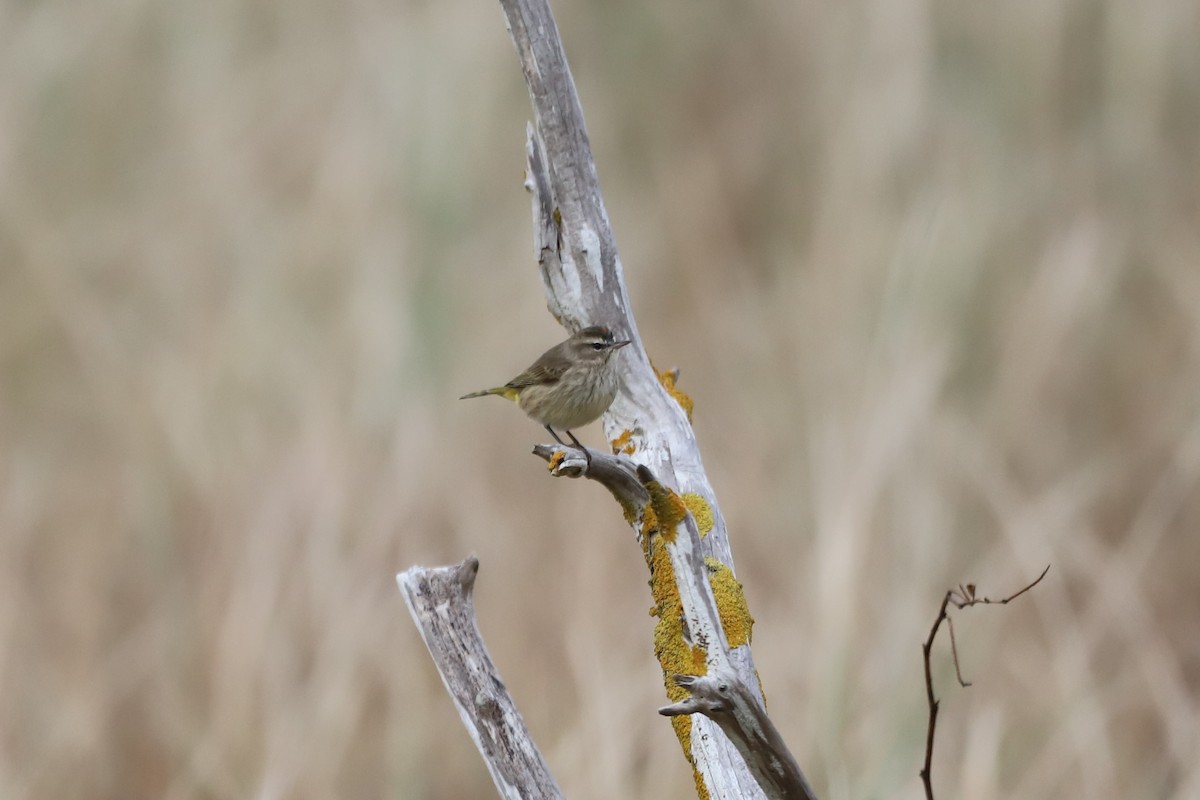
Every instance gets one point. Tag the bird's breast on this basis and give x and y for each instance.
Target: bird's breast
(575, 400)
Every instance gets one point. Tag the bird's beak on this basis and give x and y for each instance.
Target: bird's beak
(619, 345)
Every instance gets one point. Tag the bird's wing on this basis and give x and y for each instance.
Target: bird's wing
(547, 369)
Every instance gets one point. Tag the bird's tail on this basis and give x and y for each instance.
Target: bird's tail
(504, 391)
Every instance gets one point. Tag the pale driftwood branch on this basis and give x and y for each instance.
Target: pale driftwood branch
(584, 284)
(616, 473)
(440, 601)
(724, 700)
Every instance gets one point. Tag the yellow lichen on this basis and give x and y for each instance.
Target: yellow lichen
(731, 603)
(667, 379)
(649, 527)
(555, 460)
(624, 443)
(676, 657)
(701, 512)
(683, 730)
(669, 510)
(628, 509)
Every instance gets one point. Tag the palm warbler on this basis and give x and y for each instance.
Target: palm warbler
(572, 384)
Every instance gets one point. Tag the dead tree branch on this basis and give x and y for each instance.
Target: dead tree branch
(658, 478)
(616, 473)
(963, 596)
(681, 529)
(739, 715)
(440, 601)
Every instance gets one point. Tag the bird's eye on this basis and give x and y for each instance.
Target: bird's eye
(597, 346)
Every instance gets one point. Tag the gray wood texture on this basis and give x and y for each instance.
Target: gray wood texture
(441, 604)
(658, 479)
(584, 283)
(724, 700)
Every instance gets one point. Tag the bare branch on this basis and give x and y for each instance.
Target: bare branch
(1005, 601)
(934, 704)
(679, 526)
(616, 473)
(724, 700)
(961, 597)
(440, 602)
(954, 652)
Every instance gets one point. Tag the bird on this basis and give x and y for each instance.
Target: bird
(569, 385)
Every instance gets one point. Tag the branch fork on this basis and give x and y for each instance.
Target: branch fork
(584, 284)
(962, 596)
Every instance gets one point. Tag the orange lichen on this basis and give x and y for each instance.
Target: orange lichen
(649, 528)
(701, 512)
(555, 460)
(624, 443)
(668, 509)
(667, 379)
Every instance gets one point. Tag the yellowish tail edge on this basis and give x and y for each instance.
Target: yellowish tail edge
(506, 392)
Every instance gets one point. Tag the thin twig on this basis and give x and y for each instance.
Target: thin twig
(954, 651)
(961, 597)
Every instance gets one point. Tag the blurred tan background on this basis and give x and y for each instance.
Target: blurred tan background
(931, 271)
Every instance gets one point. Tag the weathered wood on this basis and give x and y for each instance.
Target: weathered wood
(723, 698)
(615, 472)
(658, 478)
(584, 283)
(440, 601)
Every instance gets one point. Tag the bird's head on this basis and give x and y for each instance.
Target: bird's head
(595, 343)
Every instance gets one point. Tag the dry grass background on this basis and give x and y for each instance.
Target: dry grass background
(931, 271)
